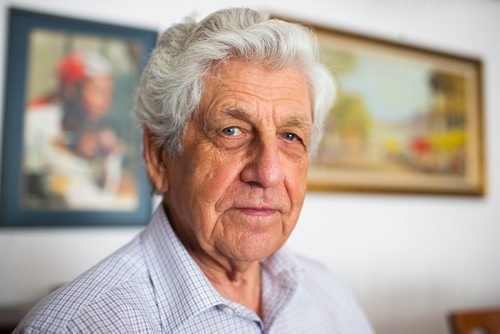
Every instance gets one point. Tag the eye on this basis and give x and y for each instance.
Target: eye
(231, 131)
(290, 136)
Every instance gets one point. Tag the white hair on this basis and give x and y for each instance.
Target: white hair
(172, 82)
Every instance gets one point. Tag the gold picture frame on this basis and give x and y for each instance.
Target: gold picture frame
(406, 119)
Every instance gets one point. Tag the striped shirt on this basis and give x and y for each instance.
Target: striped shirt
(152, 285)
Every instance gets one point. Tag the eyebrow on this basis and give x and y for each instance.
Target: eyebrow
(226, 112)
(236, 113)
(298, 122)
(294, 121)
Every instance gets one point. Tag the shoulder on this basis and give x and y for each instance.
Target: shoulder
(326, 294)
(104, 291)
(317, 278)
(312, 270)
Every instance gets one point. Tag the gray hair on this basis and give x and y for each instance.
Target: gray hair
(172, 82)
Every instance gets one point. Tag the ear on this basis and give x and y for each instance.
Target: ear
(155, 164)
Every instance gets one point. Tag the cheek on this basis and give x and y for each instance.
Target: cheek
(213, 185)
(296, 182)
(214, 176)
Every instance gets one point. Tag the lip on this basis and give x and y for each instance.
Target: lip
(257, 212)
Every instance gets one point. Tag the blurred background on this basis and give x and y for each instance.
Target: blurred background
(410, 259)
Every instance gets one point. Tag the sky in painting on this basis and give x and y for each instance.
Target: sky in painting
(393, 89)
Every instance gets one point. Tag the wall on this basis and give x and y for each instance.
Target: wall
(409, 259)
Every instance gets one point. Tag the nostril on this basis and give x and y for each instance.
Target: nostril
(254, 184)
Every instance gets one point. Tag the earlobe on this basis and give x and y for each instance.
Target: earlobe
(155, 164)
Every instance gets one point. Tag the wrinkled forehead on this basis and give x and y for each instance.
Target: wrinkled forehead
(241, 82)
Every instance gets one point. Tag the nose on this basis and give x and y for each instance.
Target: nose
(265, 168)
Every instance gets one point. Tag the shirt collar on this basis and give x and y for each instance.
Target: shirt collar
(281, 266)
(280, 278)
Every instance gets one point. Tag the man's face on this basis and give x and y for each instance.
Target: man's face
(97, 95)
(236, 191)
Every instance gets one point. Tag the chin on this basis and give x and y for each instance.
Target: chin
(255, 249)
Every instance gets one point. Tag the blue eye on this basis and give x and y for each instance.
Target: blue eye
(290, 136)
(231, 131)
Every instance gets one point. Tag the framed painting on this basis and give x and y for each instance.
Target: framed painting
(71, 152)
(406, 119)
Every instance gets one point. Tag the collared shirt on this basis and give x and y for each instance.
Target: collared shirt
(152, 285)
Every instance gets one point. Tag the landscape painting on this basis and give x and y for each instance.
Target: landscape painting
(405, 119)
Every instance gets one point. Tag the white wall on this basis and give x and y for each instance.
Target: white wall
(409, 259)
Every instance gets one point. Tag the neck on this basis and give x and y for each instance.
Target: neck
(241, 284)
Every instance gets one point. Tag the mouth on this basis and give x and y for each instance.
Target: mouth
(257, 212)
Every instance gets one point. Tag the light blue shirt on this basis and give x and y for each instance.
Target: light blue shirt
(152, 285)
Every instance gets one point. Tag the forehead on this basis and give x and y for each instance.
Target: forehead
(99, 80)
(255, 85)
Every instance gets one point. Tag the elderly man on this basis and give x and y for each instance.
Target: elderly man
(231, 109)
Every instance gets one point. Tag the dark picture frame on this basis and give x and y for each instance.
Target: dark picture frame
(406, 119)
(71, 153)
